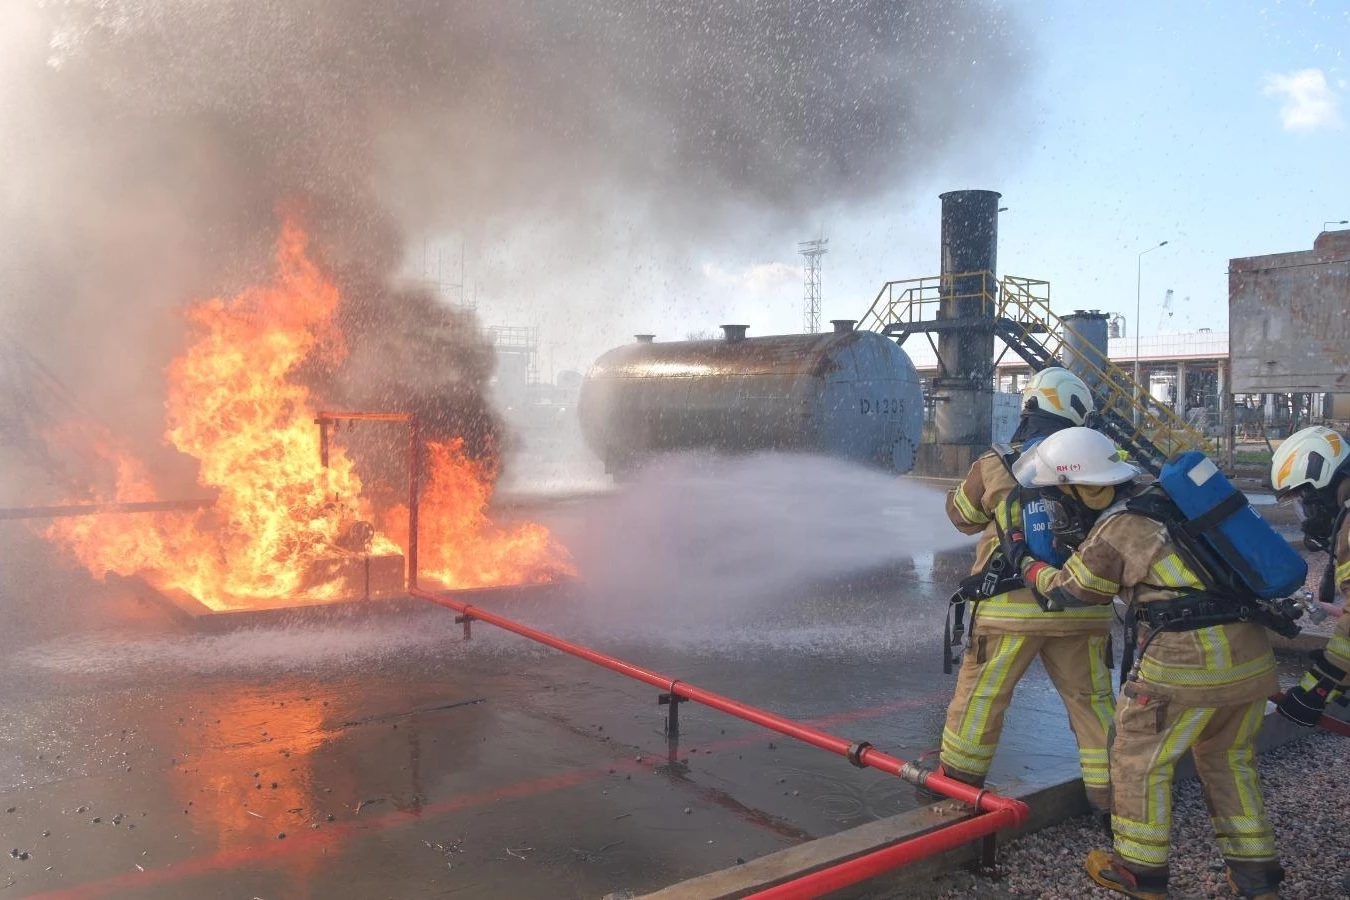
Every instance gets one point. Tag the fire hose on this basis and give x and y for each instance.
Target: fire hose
(860, 753)
(997, 812)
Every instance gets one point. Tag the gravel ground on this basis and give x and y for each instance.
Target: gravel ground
(1307, 791)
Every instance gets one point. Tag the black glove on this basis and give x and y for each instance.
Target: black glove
(1303, 706)
(1013, 542)
(1015, 549)
(1304, 703)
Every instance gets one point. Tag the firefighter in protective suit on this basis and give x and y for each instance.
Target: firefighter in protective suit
(1202, 690)
(1311, 468)
(1008, 629)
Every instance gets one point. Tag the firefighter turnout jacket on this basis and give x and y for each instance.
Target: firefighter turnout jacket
(1202, 690)
(1008, 632)
(1338, 647)
(972, 507)
(1130, 556)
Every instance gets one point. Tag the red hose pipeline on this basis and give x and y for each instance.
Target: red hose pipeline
(1012, 812)
(1326, 723)
(878, 862)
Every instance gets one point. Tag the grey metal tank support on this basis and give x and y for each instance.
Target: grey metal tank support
(849, 394)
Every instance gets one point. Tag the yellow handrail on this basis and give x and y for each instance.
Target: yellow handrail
(1159, 424)
(1025, 303)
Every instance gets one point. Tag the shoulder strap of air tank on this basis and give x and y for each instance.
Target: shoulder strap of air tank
(1151, 503)
(1007, 454)
(1336, 527)
(1234, 503)
(1326, 587)
(1119, 507)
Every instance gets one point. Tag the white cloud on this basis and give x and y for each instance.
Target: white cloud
(1309, 102)
(759, 278)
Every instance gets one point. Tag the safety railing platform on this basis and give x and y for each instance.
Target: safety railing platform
(1017, 311)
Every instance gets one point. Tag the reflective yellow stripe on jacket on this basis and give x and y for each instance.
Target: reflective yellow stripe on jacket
(1022, 606)
(1019, 611)
(1343, 572)
(969, 510)
(1338, 648)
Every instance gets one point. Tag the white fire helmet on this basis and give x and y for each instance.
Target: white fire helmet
(1074, 456)
(1058, 392)
(1308, 457)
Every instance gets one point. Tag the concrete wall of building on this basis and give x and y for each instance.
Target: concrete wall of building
(1288, 327)
(1337, 407)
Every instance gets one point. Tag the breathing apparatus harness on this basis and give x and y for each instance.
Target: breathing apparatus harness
(1000, 573)
(999, 576)
(1224, 600)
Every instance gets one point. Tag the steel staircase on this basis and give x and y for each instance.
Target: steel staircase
(1018, 311)
(32, 400)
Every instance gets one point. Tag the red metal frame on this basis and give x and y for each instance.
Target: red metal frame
(326, 419)
(98, 509)
(995, 812)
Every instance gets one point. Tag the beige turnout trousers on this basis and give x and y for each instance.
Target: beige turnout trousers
(1152, 734)
(992, 667)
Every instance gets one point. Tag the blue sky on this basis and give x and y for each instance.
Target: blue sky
(1164, 122)
(1221, 127)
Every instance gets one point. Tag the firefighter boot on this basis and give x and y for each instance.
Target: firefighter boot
(1255, 881)
(1103, 868)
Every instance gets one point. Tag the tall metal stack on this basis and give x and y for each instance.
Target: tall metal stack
(965, 392)
(1085, 344)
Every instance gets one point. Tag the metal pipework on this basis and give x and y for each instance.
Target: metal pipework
(860, 753)
(99, 509)
(325, 420)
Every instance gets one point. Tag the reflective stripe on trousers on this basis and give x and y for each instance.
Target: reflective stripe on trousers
(1151, 735)
(991, 669)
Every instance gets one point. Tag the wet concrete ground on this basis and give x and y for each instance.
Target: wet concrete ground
(388, 758)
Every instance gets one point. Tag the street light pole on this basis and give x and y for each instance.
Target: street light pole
(1138, 294)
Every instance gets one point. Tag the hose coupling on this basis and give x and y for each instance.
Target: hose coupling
(855, 752)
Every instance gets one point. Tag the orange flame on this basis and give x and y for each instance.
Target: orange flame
(233, 405)
(460, 546)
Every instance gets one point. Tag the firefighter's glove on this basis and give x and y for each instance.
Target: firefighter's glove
(1304, 703)
(1015, 548)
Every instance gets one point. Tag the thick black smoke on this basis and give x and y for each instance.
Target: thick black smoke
(145, 146)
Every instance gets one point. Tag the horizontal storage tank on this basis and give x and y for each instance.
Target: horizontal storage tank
(849, 394)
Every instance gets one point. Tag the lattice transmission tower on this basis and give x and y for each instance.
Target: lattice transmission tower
(811, 252)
